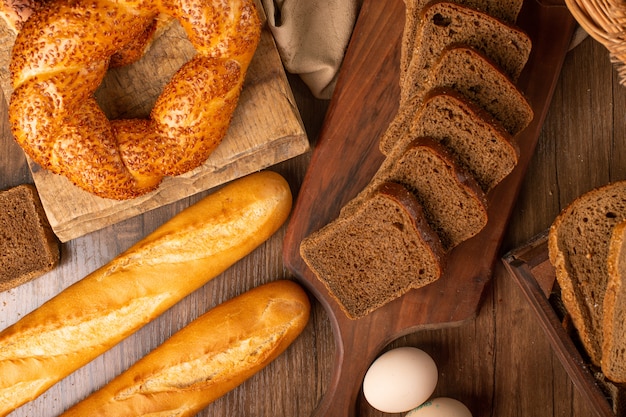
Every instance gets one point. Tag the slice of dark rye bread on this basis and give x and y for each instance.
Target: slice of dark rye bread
(453, 203)
(506, 10)
(578, 244)
(380, 252)
(614, 314)
(464, 69)
(475, 138)
(472, 74)
(28, 246)
(445, 23)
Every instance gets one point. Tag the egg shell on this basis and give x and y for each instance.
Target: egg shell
(441, 407)
(400, 380)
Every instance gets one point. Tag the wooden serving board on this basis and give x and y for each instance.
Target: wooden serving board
(266, 129)
(346, 157)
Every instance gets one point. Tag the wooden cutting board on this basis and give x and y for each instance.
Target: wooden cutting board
(347, 156)
(266, 129)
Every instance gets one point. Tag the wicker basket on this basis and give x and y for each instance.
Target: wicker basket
(605, 21)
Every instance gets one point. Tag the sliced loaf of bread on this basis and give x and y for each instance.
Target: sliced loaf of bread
(380, 252)
(28, 246)
(614, 314)
(506, 10)
(445, 23)
(578, 245)
(475, 138)
(454, 204)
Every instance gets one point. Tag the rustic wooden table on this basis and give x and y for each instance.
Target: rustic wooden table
(499, 363)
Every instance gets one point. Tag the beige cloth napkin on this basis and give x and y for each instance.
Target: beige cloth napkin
(312, 36)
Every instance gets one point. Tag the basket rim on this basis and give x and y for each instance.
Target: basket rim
(598, 18)
(605, 21)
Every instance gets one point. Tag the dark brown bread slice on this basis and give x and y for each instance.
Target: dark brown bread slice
(444, 24)
(453, 203)
(506, 10)
(380, 252)
(614, 319)
(475, 138)
(578, 244)
(28, 246)
(473, 75)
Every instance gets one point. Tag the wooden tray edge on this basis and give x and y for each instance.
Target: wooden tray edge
(529, 265)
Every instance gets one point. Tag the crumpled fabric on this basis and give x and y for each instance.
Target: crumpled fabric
(312, 37)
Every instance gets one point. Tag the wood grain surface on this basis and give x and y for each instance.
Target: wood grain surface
(346, 158)
(266, 129)
(500, 362)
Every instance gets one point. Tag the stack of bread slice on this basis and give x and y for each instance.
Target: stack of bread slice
(586, 245)
(450, 143)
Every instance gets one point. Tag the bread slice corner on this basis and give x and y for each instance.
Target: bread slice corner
(377, 254)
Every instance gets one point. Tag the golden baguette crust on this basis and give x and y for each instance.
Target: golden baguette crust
(206, 359)
(96, 313)
(59, 59)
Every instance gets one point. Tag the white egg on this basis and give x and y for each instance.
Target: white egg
(441, 407)
(400, 380)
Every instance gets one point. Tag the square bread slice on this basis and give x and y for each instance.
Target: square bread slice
(380, 252)
(475, 138)
(506, 10)
(443, 24)
(28, 246)
(578, 246)
(453, 203)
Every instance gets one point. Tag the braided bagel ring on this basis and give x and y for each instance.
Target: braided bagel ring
(60, 57)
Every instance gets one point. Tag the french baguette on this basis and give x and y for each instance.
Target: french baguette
(209, 357)
(106, 306)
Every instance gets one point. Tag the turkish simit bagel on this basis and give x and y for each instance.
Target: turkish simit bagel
(62, 53)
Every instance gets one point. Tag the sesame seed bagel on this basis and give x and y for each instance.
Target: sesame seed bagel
(60, 57)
